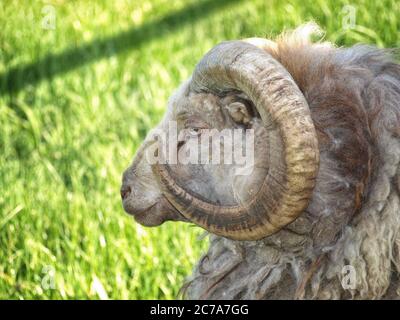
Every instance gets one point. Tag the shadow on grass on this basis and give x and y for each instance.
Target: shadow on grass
(18, 77)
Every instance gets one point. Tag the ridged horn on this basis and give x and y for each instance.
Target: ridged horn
(293, 159)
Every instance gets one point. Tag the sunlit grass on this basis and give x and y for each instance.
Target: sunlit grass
(64, 142)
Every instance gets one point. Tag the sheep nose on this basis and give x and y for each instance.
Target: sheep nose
(125, 191)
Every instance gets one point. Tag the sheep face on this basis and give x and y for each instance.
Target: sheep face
(242, 100)
(209, 131)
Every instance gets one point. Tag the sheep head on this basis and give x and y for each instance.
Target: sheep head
(237, 85)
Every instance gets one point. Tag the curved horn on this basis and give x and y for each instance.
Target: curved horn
(294, 157)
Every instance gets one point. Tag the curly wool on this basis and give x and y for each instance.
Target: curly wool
(305, 260)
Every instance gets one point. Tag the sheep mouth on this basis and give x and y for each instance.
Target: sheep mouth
(155, 214)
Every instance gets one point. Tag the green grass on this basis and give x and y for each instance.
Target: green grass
(76, 102)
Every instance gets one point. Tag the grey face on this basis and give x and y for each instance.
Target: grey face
(198, 116)
(236, 86)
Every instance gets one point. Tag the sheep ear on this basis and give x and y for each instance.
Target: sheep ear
(239, 113)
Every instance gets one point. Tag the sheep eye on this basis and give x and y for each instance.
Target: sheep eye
(194, 132)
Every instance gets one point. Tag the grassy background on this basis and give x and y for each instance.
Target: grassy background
(75, 102)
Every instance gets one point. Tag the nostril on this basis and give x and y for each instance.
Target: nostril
(125, 191)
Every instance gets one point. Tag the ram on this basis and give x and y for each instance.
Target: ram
(317, 216)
